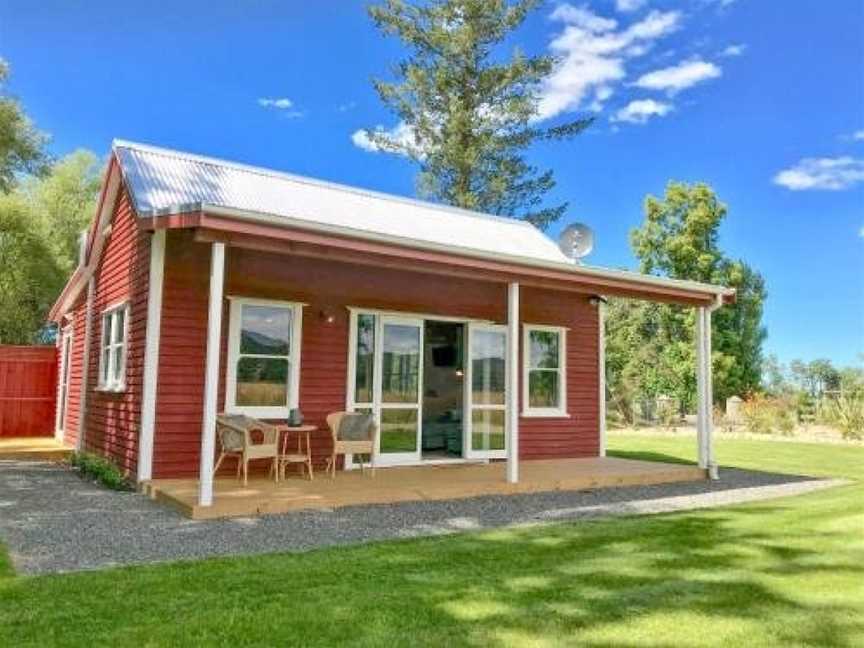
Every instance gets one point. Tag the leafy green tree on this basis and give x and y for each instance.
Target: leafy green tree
(40, 222)
(63, 203)
(30, 279)
(467, 112)
(679, 239)
(21, 145)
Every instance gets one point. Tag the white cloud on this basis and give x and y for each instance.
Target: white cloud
(833, 174)
(626, 6)
(858, 135)
(593, 52)
(281, 103)
(401, 135)
(678, 77)
(861, 232)
(345, 107)
(640, 111)
(736, 49)
(583, 17)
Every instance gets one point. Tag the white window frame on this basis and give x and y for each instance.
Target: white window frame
(65, 340)
(108, 340)
(258, 411)
(548, 412)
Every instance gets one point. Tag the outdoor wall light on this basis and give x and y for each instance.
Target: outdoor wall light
(327, 316)
(596, 300)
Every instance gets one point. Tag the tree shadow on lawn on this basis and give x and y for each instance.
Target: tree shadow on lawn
(671, 580)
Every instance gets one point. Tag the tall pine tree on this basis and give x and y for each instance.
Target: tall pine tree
(467, 112)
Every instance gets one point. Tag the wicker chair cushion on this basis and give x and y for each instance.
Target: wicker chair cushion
(232, 438)
(355, 426)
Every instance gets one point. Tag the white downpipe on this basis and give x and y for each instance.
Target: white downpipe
(211, 375)
(512, 383)
(601, 371)
(151, 355)
(85, 363)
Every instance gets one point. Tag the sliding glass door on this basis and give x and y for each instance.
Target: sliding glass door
(485, 389)
(399, 364)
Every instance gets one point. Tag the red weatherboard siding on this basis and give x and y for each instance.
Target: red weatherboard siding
(112, 419)
(330, 286)
(577, 436)
(76, 363)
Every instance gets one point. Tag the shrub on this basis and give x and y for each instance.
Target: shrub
(101, 470)
(847, 413)
(766, 415)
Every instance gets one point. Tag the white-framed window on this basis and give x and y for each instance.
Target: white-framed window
(544, 370)
(112, 348)
(263, 357)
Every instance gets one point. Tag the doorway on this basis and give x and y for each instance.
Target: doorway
(443, 390)
(435, 386)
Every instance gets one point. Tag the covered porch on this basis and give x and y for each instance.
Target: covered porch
(263, 496)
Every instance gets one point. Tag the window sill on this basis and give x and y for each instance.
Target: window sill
(265, 413)
(544, 414)
(111, 390)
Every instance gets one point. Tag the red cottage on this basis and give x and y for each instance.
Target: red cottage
(207, 286)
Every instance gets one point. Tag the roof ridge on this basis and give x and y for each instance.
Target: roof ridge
(273, 173)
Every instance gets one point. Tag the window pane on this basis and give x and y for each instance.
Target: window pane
(544, 349)
(487, 367)
(106, 357)
(265, 330)
(400, 374)
(398, 430)
(120, 326)
(365, 360)
(543, 389)
(487, 429)
(262, 382)
(119, 364)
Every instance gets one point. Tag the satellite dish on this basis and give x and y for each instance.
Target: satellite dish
(576, 241)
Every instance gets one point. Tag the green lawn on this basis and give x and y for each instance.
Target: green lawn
(784, 572)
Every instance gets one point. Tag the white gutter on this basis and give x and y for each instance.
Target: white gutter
(702, 289)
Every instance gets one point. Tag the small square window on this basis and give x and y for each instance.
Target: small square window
(112, 348)
(263, 358)
(544, 373)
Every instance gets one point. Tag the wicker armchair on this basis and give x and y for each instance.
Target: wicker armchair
(345, 446)
(236, 440)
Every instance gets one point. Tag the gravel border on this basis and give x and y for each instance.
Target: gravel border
(53, 521)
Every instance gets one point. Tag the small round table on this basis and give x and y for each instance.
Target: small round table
(300, 456)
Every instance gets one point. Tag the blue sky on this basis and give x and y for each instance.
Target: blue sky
(763, 100)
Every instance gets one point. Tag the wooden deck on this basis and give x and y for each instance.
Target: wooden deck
(33, 449)
(435, 482)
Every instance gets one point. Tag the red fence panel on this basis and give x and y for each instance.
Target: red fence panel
(28, 390)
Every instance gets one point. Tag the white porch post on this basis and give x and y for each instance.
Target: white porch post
(211, 375)
(704, 391)
(601, 370)
(512, 383)
(151, 355)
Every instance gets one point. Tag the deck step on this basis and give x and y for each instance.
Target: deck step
(34, 449)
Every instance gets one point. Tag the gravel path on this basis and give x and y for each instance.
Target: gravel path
(52, 521)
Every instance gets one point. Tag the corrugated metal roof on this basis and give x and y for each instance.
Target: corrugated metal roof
(163, 181)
